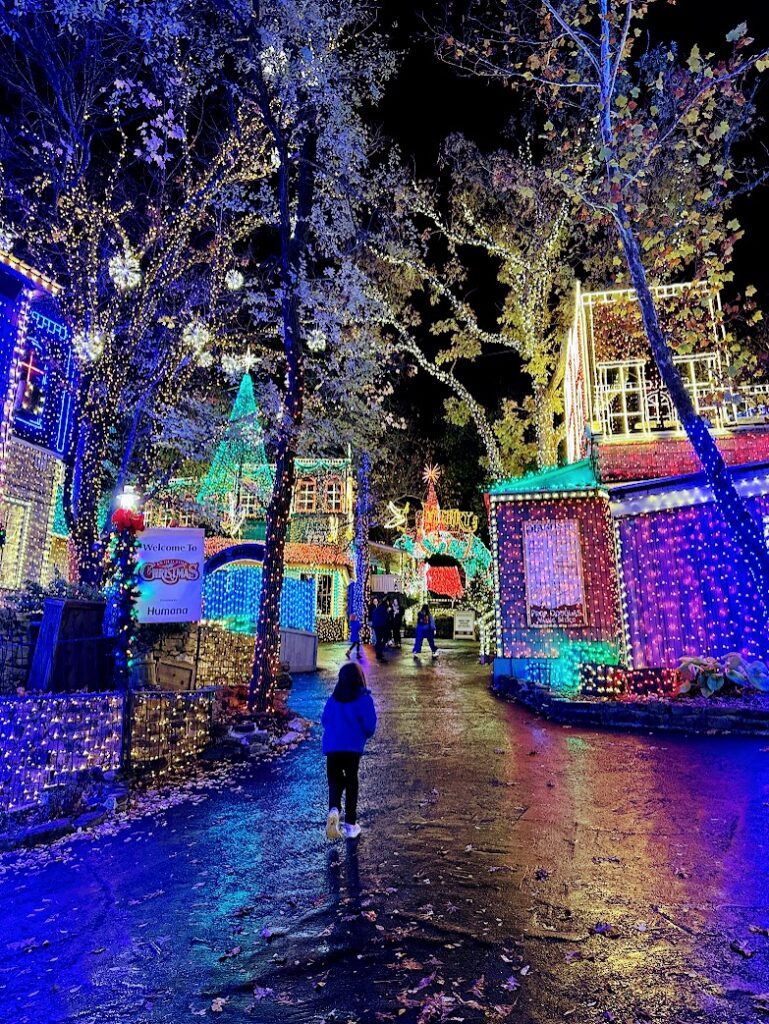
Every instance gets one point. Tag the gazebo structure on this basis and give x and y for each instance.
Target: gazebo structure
(449, 535)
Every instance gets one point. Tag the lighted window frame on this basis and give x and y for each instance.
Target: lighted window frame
(250, 506)
(33, 380)
(333, 492)
(324, 600)
(305, 495)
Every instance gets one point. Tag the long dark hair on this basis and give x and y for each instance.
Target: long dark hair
(351, 682)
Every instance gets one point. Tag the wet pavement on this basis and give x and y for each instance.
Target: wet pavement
(510, 870)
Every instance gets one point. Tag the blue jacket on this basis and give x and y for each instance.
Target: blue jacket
(347, 725)
(355, 631)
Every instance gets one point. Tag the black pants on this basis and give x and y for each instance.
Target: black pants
(356, 644)
(342, 772)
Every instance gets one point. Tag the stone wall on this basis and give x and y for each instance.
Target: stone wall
(169, 730)
(195, 656)
(46, 740)
(16, 648)
(708, 716)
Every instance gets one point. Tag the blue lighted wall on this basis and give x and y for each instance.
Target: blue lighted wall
(231, 596)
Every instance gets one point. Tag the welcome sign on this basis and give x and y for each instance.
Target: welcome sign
(170, 571)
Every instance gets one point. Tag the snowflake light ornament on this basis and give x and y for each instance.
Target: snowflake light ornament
(7, 238)
(316, 341)
(89, 345)
(234, 280)
(196, 336)
(274, 62)
(125, 271)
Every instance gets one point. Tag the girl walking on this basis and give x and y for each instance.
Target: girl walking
(349, 719)
(425, 631)
(355, 625)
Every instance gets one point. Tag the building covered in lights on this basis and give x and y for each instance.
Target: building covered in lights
(36, 375)
(234, 495)
(610, 569)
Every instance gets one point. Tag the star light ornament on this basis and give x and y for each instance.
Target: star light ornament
(89, 345)
(236, 364)
(431, 474)
(125, 271)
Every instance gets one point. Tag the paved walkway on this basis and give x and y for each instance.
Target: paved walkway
(506, 863)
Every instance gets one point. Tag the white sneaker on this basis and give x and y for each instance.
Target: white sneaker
(332, 826)
(436, 653)
(415, 655)
(352, 831)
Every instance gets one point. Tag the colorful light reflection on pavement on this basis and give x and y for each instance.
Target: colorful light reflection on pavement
(612, 877)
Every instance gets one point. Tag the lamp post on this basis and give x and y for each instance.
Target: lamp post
(128, 499)
(127, 521)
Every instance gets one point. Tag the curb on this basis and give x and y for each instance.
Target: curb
(680, 716)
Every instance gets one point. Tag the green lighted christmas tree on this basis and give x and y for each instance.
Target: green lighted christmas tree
(239, 466)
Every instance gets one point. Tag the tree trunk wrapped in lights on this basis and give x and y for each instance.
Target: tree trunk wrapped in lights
(123, 591)
(361, 590)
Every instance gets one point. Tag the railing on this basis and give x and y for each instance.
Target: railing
(628, 404)
(487, 631)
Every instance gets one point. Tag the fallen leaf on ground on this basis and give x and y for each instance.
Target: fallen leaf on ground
(740, 947)
(478, 987)
(601, 928)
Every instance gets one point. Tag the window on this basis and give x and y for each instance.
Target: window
(334, 494)
(167, 515)
(620, 397)
(324, 594)
(30, 395)
(12, 565)
(250, 506)
(305, 495)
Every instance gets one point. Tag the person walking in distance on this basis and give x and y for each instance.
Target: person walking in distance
(397, 622)
(425, 631)
(371, 609)
(380, 622)
(355, 625)
(349, 720)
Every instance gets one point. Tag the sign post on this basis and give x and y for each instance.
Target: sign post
(170, 575)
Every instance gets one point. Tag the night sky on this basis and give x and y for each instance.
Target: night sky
(428, 101)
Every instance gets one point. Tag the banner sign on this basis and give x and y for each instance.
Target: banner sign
(170, 570)
(464, 625)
